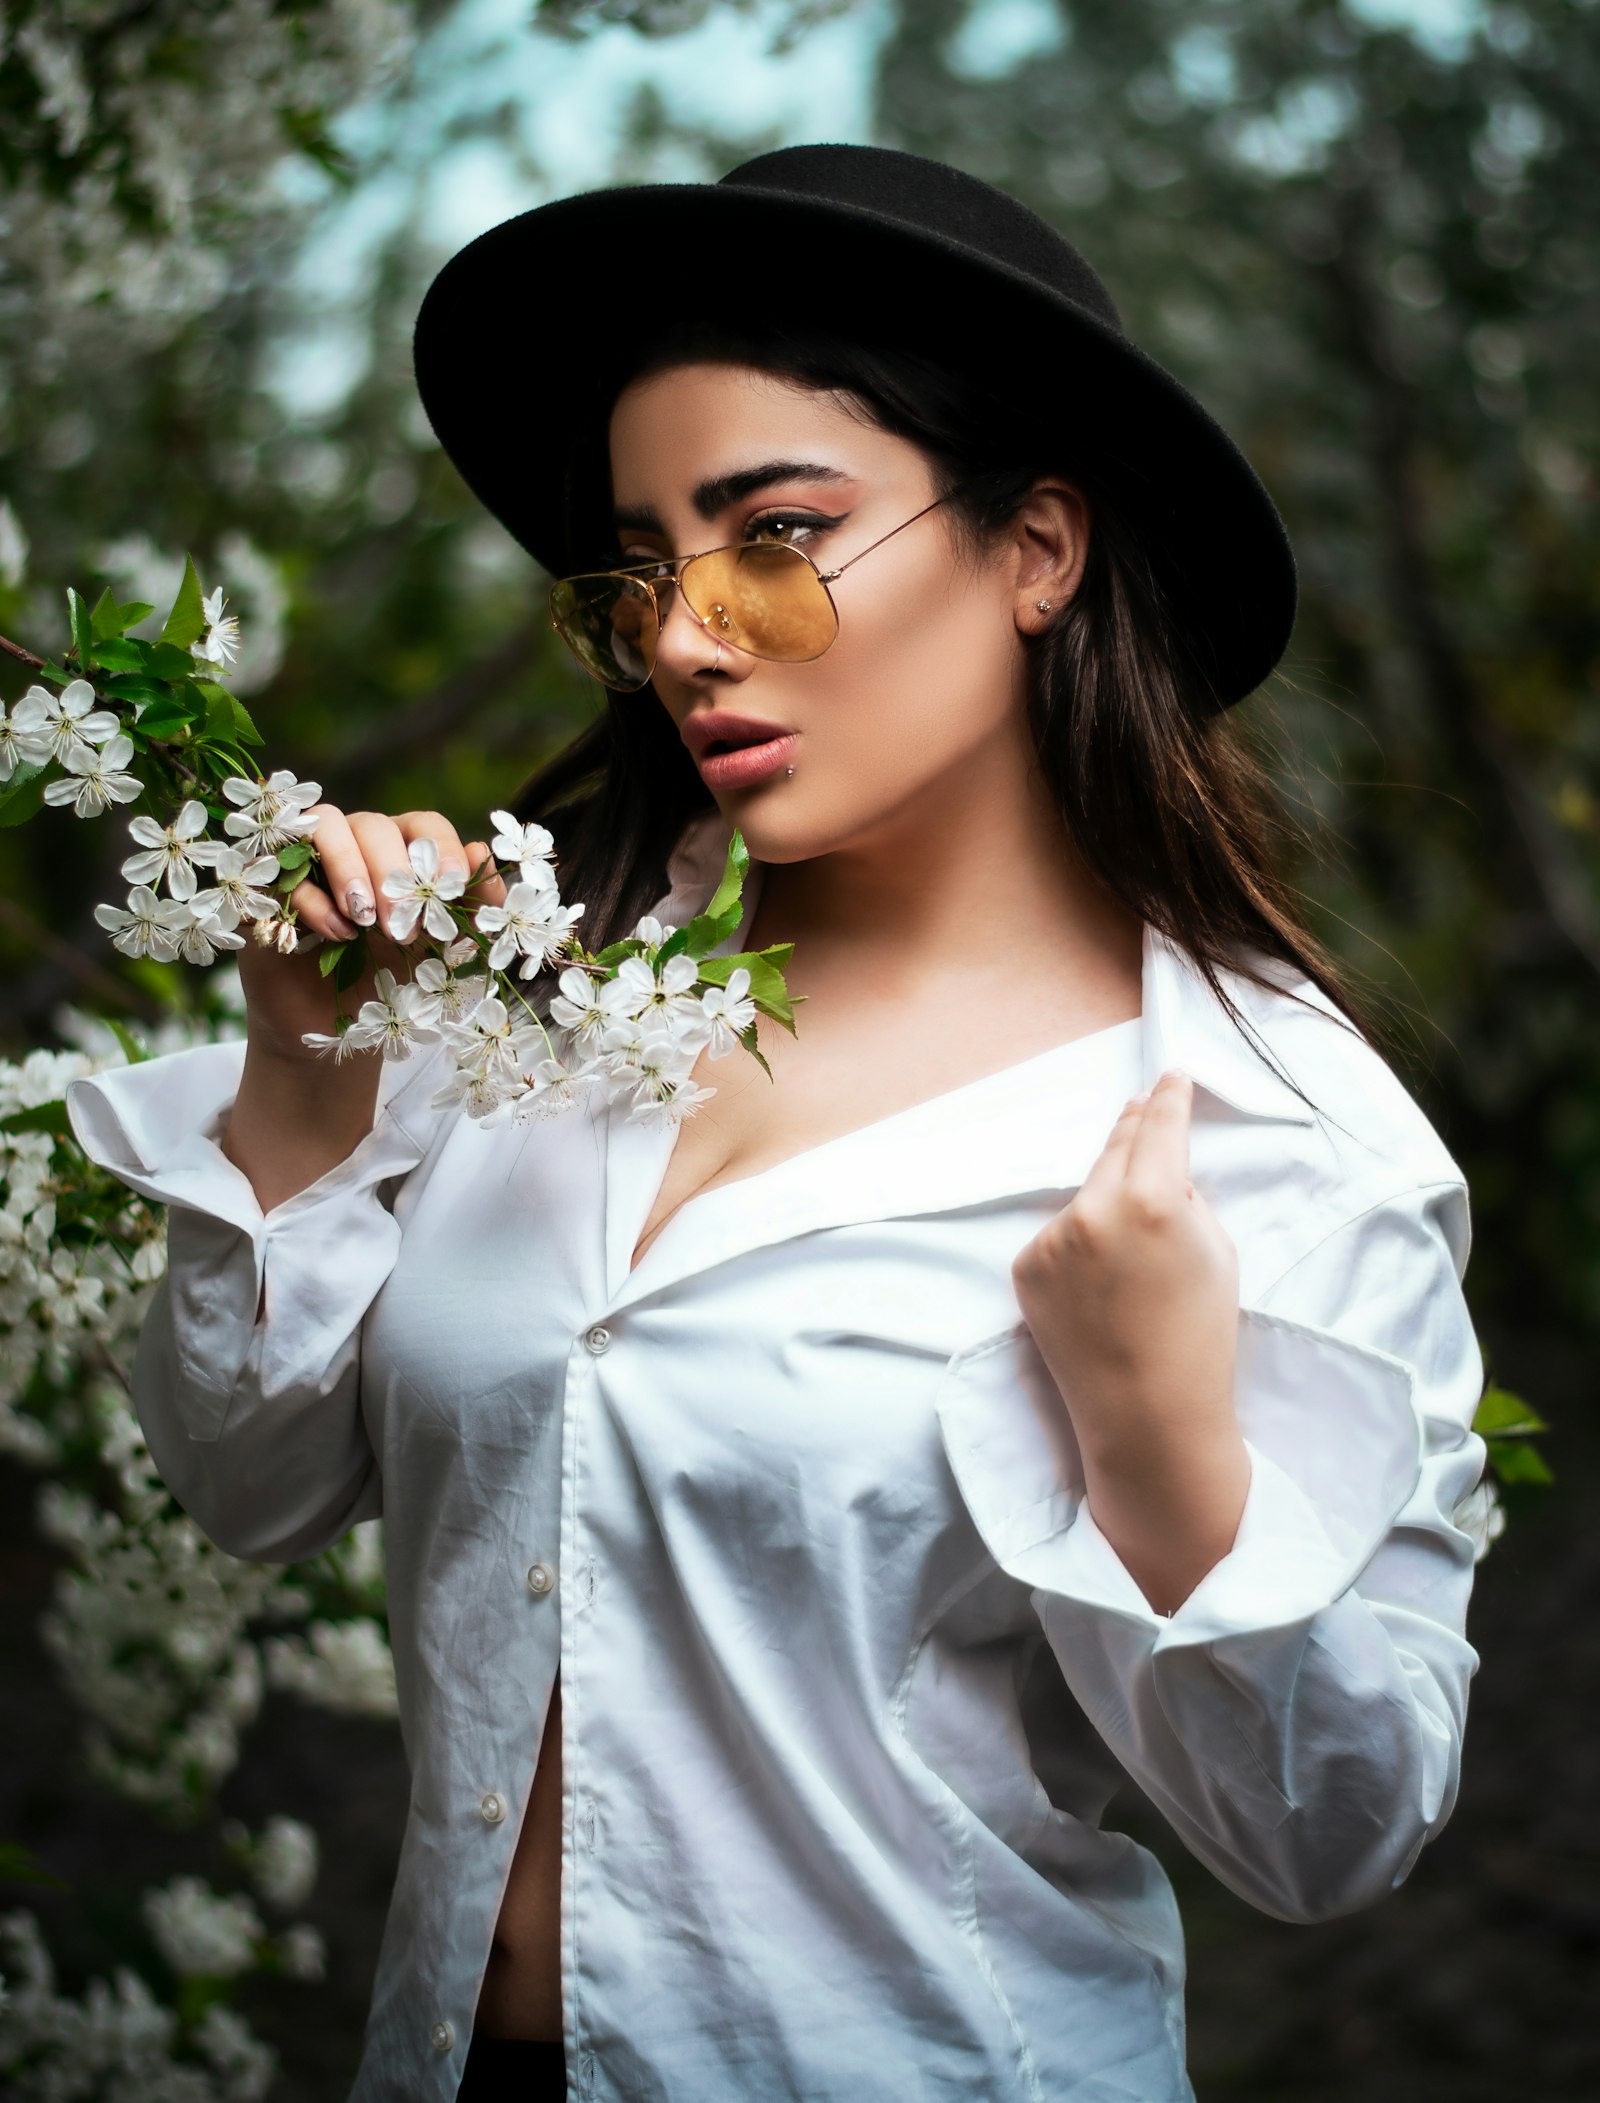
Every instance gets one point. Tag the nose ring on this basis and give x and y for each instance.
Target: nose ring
(718, 658)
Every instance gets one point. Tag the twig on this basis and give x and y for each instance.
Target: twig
(22, 656)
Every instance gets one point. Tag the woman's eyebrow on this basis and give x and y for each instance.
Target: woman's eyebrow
(717, 492)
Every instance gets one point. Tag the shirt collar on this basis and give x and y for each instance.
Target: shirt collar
(1185, 1025)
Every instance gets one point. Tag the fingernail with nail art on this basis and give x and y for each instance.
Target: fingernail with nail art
(359, 905)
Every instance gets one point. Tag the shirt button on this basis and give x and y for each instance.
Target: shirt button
(493, 1808)
(443, 2035)
(598, 1338)
(541, 1578)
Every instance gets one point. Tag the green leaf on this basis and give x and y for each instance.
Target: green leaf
(82, 629)
(166, 661)
(1514, 1462)
(1503, 1414)
(166, 715)
(22, 797)
(674, 946)
(18, 1866)
(106, 619)
(731, 888)
(135, 1052)
(767, 988)
(352, 965)
(244, 728)
(332, 952)
(747, 1037)
(307, 131)
(187, 621)
(614, 952)
(295, 855)
(43, 1117)
(120, 655)
(704, 932)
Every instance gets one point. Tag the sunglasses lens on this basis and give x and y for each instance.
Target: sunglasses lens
(609, 624)
(762, 597)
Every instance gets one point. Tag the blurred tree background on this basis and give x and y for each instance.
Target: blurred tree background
(1363, 232)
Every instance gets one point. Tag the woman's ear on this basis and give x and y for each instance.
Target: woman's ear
(1050, 541)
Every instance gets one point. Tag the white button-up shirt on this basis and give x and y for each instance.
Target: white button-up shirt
(849, 1673)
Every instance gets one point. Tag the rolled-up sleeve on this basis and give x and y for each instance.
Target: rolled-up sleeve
(1299, 1718)
(255, 1424)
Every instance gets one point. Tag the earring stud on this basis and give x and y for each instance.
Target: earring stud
(1043, 605)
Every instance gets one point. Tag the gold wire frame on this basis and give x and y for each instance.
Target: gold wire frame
(644, 576)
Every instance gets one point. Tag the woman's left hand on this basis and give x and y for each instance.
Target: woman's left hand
(1132, 1295)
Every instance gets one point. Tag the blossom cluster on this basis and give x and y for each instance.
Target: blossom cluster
(627, 1023)
(633, 1032)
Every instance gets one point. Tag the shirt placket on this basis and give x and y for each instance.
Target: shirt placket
(578, 1579)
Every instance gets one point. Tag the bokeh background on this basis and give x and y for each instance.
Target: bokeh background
(1364, 232)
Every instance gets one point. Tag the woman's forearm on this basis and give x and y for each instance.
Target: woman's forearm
(294, 1118)
(1171, 1515)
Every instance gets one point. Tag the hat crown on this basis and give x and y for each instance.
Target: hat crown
(934, 198)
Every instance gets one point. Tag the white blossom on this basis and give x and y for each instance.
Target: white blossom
(667, 997)
(423, 892)
(345, 1666)
(202, 938)
(173, 851)
(270, 813)
(22, 742)
(283, 1862)
(96, 780)
(235, 894)
(578, 1006)
(653, 932)
(1481, 1515)
(60, 723)
(528, 845)
(728, 1010)
(663, 1091)
(554, 1086)
(218, 648)
(532, 924)
(401, 1016)
(200, 1935)
(458, 991)
(148, 926)
(322, 1042)
(302, 1953)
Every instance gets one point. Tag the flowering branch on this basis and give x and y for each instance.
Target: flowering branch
(153, 723)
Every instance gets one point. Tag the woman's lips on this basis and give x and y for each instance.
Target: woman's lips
(749, 764)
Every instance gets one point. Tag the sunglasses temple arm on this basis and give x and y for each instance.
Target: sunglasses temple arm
(828, 576)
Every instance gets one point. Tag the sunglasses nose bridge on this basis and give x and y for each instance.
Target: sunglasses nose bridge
(680, 608)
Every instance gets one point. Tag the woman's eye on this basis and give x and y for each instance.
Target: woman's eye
(785, 527)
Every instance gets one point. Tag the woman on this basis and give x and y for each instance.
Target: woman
(797, 1522)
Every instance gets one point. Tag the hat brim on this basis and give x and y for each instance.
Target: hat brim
(520, 345)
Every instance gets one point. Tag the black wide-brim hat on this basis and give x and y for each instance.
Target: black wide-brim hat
(527, 335)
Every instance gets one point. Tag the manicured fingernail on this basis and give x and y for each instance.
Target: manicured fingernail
(359, 905)
(343, 928)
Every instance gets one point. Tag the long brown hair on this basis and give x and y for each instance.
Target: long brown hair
(1158, 786)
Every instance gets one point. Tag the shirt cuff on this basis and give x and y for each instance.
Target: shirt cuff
(1335, 1445)
(156, 1126)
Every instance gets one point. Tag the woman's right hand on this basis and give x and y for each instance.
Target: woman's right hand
(285, 996)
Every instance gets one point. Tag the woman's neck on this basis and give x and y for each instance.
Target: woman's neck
(931, 897)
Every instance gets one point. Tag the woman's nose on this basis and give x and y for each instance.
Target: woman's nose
(688, 647)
